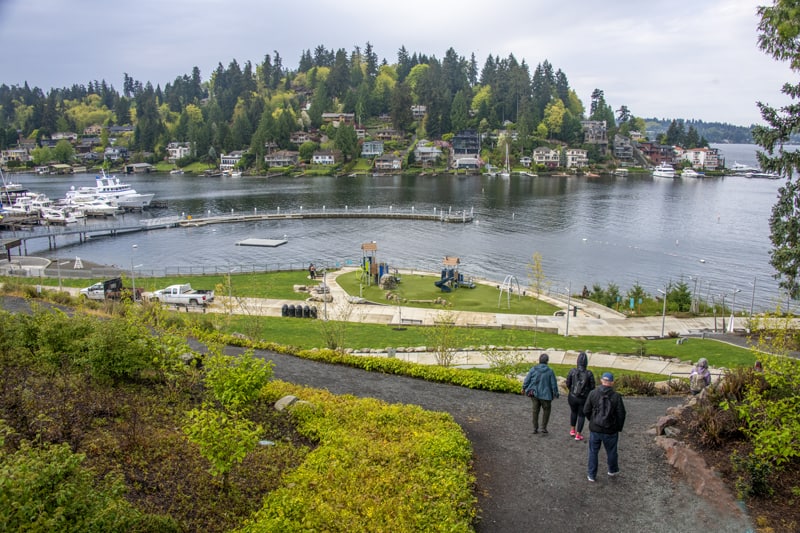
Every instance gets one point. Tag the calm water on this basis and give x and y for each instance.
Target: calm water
(604, 230)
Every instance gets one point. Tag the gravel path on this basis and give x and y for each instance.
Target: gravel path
(532, 482)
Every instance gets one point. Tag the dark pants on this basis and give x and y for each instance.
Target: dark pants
(545, 407)
(576, 416)
(609, 442)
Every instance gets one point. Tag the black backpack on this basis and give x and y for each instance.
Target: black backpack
(580, 383)
(603, 413)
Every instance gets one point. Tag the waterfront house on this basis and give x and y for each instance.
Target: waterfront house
(115, 153)
(418, 111)
(577, 158)
(281, 158)
(623, 149)
(595, 132)
(339, 118)
(176, 150)
(699, 158)
(229, 161)
(388, 162)
(546, 157)
(658, 153)
(525, 161)
(372, 148)
(326, 157)
(426, 152)
(299, 137)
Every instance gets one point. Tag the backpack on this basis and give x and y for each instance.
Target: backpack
(603, 413)
(697, 382)
(580, 381)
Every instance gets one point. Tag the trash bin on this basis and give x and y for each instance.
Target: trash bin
(298, 311)
(306, 312)
(313, 311)
(290, 310)
(574, 310)
(285, 310)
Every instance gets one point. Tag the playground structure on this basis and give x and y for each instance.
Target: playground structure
(508, 287)
(373, 271)
(451, 277)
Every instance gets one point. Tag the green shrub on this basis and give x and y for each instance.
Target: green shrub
(370, 471)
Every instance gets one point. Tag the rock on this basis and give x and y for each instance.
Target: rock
(672, 432)
(285, 402)
(665, 421)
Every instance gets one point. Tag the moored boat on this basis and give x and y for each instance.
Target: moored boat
(664, 170)
(110, 190)
(690, 173)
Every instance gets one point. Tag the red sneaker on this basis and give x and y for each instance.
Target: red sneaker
(578, 436)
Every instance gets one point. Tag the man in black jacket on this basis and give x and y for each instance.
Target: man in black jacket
(605, 411)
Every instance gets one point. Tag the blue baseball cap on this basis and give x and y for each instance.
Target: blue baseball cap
(608, 376)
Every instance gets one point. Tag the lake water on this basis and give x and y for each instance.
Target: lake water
(604, 230)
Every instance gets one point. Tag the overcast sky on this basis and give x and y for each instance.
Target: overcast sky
(679, 59)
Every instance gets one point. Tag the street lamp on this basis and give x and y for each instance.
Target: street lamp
(733, 309)
(695, 302)
(664, 309)
(133, 275)
(723, 295)
(753, 298)
(569, 302)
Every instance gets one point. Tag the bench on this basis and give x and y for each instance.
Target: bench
(411, 321)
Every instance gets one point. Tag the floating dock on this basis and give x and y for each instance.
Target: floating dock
(269, 243)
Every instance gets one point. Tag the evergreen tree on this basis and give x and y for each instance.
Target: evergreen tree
(780, 37)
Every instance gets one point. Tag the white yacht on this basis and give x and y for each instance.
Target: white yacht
(664, 170)
(60, 217)
(690, 173)
(98, 208)
(110, 190)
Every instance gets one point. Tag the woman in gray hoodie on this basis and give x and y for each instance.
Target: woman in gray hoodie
(541, 386)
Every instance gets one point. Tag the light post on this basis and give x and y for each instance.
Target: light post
(723, 311)
(753, 297)
(58, 265)
(733, 309)
(325, 293)
(569, 303)
(695, 303)
(133, 275)
(663, 309)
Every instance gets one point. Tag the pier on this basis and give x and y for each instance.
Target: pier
(86, 232)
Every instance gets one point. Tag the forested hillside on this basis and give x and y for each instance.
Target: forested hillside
(256, 107)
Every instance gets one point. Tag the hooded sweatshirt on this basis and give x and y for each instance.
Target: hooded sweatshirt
(574, 373)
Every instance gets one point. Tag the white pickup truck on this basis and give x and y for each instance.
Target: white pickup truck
(183, 295)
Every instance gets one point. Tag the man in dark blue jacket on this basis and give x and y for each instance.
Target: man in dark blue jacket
(605, 411)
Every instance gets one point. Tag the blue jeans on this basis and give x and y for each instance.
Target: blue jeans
(609, 442)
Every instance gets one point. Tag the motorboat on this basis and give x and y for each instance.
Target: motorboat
(741, 168)
(98, 208)
(110, 190)
(690, 173)
(664, 170)
(60, 217)
(762, 175)
(622, 172)
(176, 171)
(236, 173)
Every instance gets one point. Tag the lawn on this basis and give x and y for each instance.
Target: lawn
(418, 290)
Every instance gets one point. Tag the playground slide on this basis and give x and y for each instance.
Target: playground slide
(442, 284)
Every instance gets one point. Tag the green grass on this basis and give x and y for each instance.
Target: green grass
(418, 290)
(306, 334)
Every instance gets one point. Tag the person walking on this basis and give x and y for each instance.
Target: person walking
(541, 386)
(700, 378)
(580, 382)
(606, 413)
